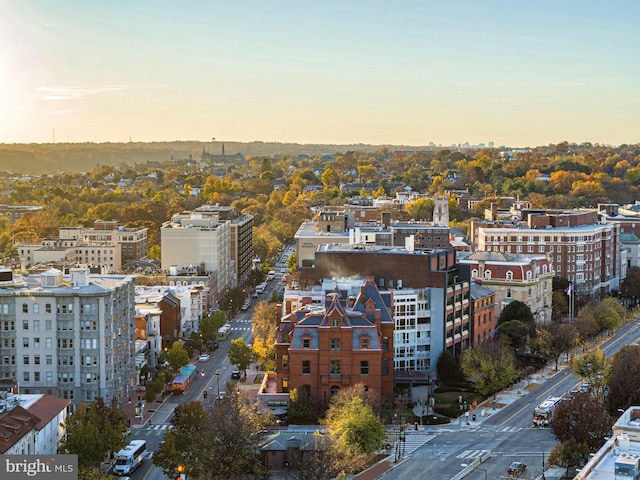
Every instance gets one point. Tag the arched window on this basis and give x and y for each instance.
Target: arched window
(474, 273)
(509, 275)
(334, 389)
(487, 274)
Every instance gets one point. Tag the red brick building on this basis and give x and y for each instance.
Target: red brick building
(341, 343)
(483, 312)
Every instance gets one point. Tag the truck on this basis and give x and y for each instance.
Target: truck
(261, 288)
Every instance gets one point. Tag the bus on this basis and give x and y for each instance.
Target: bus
(543, 413)
(224, 331)
(130, 457)
(182, 382)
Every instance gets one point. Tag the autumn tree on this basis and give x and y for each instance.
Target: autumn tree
(299, 406)
(420, 209)
(585, 419)
(264, 330)
(624, 378)
(354, 427)
(609, 314)
(569, 455)
(586, 324)
(631, 284)
(561, 339)
(592, 368)
(490, 366)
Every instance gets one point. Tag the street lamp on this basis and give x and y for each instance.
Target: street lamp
(218, 384)
(476, 468)
(181, 474)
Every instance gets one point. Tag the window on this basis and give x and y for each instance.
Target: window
(335, 344)
(47, 308)
(306, 367)
(25, 308)
(25, 342)
(335, 322)
(36, 325)
(25, 359)
(508, 293)
(36, 308)
(364, 342)
(49, 359)
(285, 361)
(36, 342)
(25, 324)
(334, 368)
(26, 376)
(36, 376)
(509, 275)
(364, 367)
(48, 342)
(47, 325)
(306, 343)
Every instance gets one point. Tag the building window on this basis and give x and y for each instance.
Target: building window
(335, 367)
(306, 367)
(508, 293)
(36, 342)
(25, 375)
(25, 359)
(335, 344)
(364, 342)
(306, 343)
(25, 324)
(49, 359)
(36, 308)
(25, 308)
(364, 367)
(335, 322)
(25, 342)
(47, 308)
(285, 361)
(509, 275)
(334, 390)
(36, 376)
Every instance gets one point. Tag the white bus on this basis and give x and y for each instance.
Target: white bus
(130, 457)
(543, 413)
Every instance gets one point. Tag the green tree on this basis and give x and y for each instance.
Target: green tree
(569, 455)
(93, 431)
(609, 314)
(210, 325)
(155, 387)
(300, 408)
(177, 356)
(517, 310)
(448, 368)
(490, 366)
(239, 354)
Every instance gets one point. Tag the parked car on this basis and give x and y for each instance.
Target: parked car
(235, 374)
(213, 345)
(204, 357)
(245, 306)
(516, 469)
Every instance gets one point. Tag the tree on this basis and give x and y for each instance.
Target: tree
(449, 369)
(239, 354)
(517, 310)
(592, 368)
(569, 455)
(299, 407)
(354, 427)
(609, 314)
(92, 473)
(93, 431)
(217, 444)
(490, 366)
(562, 339)
(420, 209)
(585, 419)
(586, 323)
(210, 325)
(264, 330)
(155, 387)
(323, 462)
(515, 334)
(631, 285)
(177, 356)
(624, 378)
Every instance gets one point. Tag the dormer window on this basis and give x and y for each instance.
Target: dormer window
(364, 341)
(306, 343)
(335, 322)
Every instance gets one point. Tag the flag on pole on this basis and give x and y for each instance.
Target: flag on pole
(568, 290)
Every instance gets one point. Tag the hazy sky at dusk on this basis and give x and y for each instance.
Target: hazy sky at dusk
(520, 73)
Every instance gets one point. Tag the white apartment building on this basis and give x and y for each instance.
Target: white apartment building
(70, 336)
(198, 240)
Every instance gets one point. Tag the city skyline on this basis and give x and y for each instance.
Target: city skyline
(333, 72)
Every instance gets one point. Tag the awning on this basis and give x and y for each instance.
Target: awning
(278, 411)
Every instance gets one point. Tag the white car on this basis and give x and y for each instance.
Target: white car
(204, 357)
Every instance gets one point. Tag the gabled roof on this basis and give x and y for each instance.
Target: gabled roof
(47, 408)
(15, 424)
(491, 257)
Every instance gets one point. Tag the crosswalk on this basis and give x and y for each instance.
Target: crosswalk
(414, 441)
(473, 454)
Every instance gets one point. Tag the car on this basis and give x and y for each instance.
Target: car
(254, 295)
(204, 357)
(516, 468)
(221, 395)
(213, 345)
(235, 374)
(245, 306)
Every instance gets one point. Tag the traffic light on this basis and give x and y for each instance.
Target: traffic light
(204, 394)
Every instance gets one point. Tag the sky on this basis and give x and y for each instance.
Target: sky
(401, 72)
